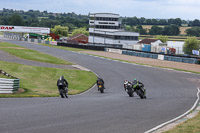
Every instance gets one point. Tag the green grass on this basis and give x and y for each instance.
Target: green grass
(189, 126)
(41, 81)
(62, 47)
(28, 54)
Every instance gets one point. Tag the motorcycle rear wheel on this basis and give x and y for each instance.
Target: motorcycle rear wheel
(102, 90)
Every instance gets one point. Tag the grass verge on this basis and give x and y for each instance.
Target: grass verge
(189, 126)
(29, 54)
(41, 81)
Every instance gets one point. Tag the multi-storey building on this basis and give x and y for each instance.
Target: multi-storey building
(105, 28)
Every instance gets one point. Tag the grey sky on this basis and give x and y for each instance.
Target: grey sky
(184, 9)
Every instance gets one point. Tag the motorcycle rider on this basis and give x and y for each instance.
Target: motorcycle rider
(136, 83)
(62, 82)
(125, 84)
(100, 82)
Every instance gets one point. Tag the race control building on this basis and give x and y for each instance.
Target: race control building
(105, 28)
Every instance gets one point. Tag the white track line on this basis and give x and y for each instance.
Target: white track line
(177, 118)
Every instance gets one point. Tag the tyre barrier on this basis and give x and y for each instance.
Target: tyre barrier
(140, 54)
(8, 85)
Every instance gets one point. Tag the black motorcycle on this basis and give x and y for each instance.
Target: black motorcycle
(63, 91)
(140, 91)
(129, 89)
(101, 87)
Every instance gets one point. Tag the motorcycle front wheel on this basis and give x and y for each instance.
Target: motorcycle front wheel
(130, 93)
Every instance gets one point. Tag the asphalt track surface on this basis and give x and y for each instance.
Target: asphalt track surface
(169, 95)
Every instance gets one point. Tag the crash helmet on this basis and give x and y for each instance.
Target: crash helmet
(125, 82)
(61, 77)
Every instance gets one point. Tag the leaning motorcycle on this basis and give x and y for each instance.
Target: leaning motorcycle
(63, 91)
(140, 91)
(129, 89)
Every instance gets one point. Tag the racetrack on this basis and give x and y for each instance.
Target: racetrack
(169, 94)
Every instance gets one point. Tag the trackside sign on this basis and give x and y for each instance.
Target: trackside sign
(24, 29)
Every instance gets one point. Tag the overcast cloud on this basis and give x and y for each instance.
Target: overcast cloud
(184, 9)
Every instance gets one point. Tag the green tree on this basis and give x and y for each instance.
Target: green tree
(16, 20)
(172, 30)
(194, 31)
(80, 31)
(190, 44)
(60, 30)
(163, 39)
(155, 30)
(140, 29)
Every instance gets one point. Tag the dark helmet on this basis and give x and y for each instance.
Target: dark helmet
(61, 77)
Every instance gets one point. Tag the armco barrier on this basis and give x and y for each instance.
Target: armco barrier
(140, 54)
(8, 85)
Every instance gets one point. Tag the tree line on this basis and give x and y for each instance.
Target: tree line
(171, 30)
(74, 21)
(133, 21)
(37, 18)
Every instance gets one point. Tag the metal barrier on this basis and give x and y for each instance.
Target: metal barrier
(8, 85)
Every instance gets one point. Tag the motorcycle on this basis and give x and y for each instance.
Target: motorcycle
(140, 91)
(129, 89)
(101, 88)
(63, 91)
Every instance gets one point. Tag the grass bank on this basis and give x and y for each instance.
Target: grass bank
(189, 126)
(41, 81)
(29, 54)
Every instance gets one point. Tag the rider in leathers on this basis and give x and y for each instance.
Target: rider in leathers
(100, 82)
(136, 84)
(62, 82)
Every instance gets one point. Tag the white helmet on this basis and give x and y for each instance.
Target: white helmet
(125, 82)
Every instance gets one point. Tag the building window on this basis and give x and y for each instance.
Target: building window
(106, 27)
(126, 37)
(106, 19)
(103, 22)
(91, 18)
